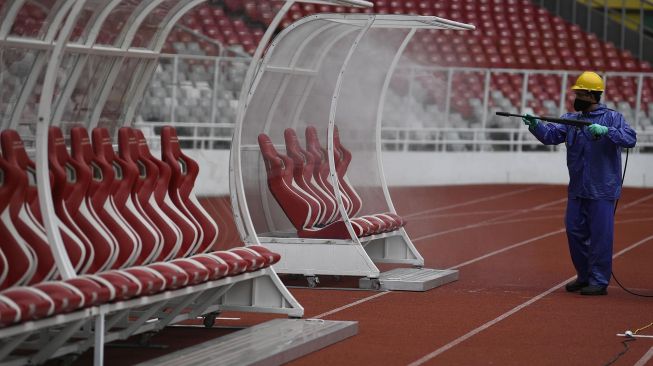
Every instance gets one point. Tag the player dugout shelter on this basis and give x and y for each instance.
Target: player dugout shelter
(307, 171)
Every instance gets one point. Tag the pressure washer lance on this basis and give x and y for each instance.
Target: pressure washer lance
(564, 121)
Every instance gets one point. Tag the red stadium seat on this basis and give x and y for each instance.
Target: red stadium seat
(184, 173)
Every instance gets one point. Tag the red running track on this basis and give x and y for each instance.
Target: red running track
(507, 308)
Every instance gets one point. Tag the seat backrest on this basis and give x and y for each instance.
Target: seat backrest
(67, 186)
(303, 167)
(4, 268)
(140, 192)
(14, 152)
(21, 261)
(279, 170)
(125, 174)
(99, 187)
(188, 231)
(322, 169)
(72, 179)
(149, 176)
(342, 161)
(184, 169)
(100, 198)
(184, 173)
(30, 231)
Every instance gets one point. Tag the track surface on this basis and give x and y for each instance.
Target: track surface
(509, 306)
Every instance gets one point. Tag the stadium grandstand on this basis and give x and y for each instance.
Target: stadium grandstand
(239, 182)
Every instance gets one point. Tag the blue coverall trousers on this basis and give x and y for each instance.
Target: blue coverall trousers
(590, 232)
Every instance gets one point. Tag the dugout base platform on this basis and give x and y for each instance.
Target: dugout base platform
(274, 342)
(410, 279)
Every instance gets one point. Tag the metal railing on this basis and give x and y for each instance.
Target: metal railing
(445, 139)
(478, 139)
(440, 127)
(211, 84)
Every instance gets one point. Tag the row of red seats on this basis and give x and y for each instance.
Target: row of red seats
(299, 181)
(130, 224)
(510, 34)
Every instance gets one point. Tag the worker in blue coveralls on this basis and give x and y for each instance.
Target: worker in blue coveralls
(594, 163)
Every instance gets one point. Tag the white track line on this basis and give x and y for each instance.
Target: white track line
(351, 305)
(513, 246)
(527, 241)
(466, 213)
(505, 249)
(639, 219)
(526, 219)
(646, 358)
(512, 311)
(484, 199)
(516, 245)
(645, 198)
(489, 221)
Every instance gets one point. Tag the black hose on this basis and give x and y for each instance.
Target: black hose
(615, 212)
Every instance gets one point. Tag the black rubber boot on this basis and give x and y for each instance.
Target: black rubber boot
(594, 290)
(575, 286)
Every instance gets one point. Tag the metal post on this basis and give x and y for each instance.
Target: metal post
(214, 95)
(623, 24)
(524, 90)
(638, 102)
(605, 20)
(588, 27)
(98, 349)
(641, 30)
(605, 82)
(486, 98)
(563, 90)
(173, 92)
(447, 105)
(410, 87)
(523, 104)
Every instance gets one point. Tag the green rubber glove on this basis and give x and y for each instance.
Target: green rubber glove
(598, 130)
(529, 121)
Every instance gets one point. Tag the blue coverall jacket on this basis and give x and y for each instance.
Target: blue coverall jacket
(594, 165)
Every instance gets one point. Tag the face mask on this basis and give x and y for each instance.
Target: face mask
(581, 105)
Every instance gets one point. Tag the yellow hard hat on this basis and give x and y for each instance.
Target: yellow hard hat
(589, 81)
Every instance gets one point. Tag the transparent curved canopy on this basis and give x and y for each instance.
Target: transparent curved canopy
(109, 39)
(326, 71)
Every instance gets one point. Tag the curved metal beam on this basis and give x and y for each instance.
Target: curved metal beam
(42, 169)
(146, 72)
(39, 63)
(96, 26)
(379, 115)
(275, 104)
(10, 17)
(333, 175)
(125, 39)
(238, 203)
